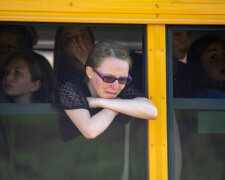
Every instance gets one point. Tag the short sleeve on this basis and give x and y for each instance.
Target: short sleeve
(130, 92)
(71, 96)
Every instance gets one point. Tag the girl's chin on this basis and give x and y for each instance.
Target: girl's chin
(109, 96)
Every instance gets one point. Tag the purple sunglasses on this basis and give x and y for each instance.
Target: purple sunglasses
(112, 79)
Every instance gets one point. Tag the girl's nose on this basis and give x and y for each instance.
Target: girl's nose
(115, 85)
(8, 76)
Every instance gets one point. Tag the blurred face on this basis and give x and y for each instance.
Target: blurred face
(181, 41)
(8, 46)
(109, 66)
(77, 42)
(213, 59)
(17, 79)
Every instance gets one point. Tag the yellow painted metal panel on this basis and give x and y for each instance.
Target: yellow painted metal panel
(113, 11)
(113, 18)
(199, 1)
(157, 93)
(99, 6)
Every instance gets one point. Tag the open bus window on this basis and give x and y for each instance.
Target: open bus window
(198, 64)
(31, 145)
(20, 86)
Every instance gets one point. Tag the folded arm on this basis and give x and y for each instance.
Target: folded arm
(91, 126)
(139, 107)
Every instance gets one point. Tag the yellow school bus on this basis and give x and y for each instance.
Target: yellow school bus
(186, 141)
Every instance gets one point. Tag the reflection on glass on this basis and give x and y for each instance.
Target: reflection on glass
(31, 148)
(201, 143)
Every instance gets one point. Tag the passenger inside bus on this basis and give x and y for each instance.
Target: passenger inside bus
(107, 69)
(181, 41)
(72, 45)
(12, 39)
(206, 68)
(28, 77)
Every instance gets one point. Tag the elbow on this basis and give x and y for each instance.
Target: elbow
(89, 137)
(153, 114)
(90, 133)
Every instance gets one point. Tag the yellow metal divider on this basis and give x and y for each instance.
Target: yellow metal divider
(157, 129)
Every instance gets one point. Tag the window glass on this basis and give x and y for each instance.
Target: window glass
(198, 64)
(31, 148)
(199, 148)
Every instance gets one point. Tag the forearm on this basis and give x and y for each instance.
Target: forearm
(100, 121)
(91, 126)
(137, 107)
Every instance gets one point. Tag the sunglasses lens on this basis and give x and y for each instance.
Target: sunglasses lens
(112, 79)
(123, 80)
(109, 79)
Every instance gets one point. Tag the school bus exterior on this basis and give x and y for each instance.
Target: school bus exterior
(157, 15)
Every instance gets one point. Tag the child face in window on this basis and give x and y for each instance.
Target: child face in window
(213, 59)
(181, 41)
(109, 66)
(17, 81)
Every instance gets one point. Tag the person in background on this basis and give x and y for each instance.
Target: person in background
(206, 68)
(28, 78)
(72, 45)
(181, 41)
(93, 103)
(14, 38)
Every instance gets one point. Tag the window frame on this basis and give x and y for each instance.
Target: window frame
(184, 103)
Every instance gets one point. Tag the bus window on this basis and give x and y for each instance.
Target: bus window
(196, 77)
(198, 64)
(31, 138)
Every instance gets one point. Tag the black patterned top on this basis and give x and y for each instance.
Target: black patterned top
(73, 95)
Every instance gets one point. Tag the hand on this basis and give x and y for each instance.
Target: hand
(80, 48)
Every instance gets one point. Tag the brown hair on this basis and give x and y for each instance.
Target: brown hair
(40, 69)
(25, 35)
(104, 49)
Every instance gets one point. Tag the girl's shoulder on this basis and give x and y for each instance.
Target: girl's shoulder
(210, 93)
(73, 95)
